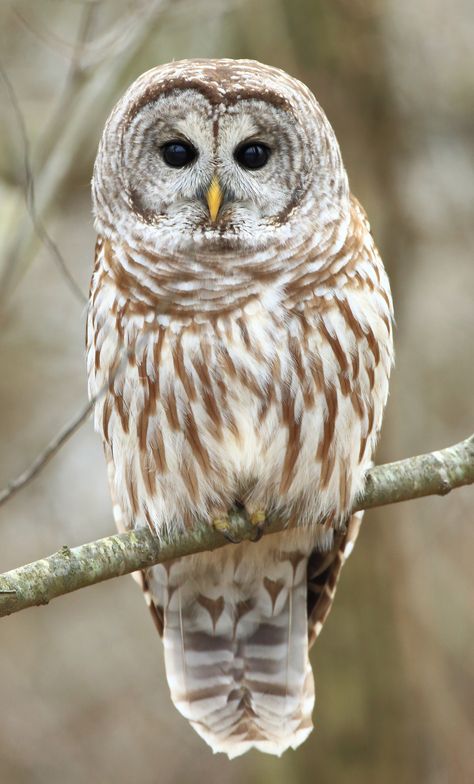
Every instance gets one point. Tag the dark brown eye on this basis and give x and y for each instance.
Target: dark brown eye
(178, 153)
(252, 155)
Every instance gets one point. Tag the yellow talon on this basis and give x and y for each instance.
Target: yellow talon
(224, 526)
(258, 517)
(221, 524)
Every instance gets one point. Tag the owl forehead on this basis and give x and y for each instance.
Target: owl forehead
(179, 97)
(223, 84)
(188, 110)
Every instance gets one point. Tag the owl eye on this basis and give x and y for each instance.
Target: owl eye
(178, 154)
(252, 155)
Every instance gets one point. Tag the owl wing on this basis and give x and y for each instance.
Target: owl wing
(324, 569)
(141, 577)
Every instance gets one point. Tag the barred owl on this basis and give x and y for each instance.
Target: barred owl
(239, 346)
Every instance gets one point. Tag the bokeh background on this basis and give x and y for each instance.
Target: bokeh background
(82, 691)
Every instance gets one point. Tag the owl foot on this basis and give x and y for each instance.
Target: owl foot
(222, 524)
(258, 519)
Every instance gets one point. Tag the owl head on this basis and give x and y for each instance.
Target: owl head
(216, 155)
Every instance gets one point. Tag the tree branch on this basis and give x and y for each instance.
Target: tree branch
(70, 569)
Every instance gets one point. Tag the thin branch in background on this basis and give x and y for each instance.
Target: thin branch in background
(62, 437)
(70, 569)
(55, 43)
(75, 75)
(98, 49)
(38, 225)
(101, 84)
(45, 456)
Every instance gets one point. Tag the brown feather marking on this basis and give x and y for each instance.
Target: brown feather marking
(294, 349)
(206, 692)
(242, 608)
(142, 428)
(214, 607)
(192, 436)
(297, 359)
(122, 412)
(170, 408)
(343, 375)
(319, 604)
(329, 423)
(244, 333)
(207, 394)
(248, 379)
(157, 347)
(227, 414)
(190, 479)
(293, 425)
(294, 557)
(149, 384)
(373, 344)
(356, 400)
(227, 363)
(355, 364)
(149, 480)
(317, 370)
(350, 319)
(157, 447)
(327, 467)
(386, 298)
(274, 588)
(106, 414)
(266, 687)
(371, 377)
(370, 424)
(181, 372)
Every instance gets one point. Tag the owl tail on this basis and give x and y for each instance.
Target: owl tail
(236, 647)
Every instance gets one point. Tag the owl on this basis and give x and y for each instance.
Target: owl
(239, 346)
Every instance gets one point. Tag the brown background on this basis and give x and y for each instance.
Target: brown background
(82, 690)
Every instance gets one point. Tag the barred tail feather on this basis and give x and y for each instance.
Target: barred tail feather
(236, 652)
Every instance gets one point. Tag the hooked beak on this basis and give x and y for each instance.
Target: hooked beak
(214, 198)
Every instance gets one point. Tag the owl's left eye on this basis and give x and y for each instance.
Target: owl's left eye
(252, 155)
(178, 153)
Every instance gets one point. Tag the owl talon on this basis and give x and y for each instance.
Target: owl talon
(258, 520)
(223, 525)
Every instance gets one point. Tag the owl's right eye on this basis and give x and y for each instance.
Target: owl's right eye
(178, 153)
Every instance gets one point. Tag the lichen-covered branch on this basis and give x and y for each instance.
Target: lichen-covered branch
(70, 569)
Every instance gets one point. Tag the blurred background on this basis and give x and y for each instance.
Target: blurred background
(83, 696)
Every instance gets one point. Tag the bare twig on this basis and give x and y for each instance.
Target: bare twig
(70, 569)
(30, 199)
(45, 456)
(98, 89)
(62, 436)
(66, 432)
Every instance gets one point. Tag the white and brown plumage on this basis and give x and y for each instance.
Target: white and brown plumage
(240, 325)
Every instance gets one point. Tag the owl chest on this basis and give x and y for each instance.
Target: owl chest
(218, 392)
(215, 386)
(263, 406)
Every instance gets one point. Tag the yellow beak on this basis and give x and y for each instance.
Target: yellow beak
(214, 198)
